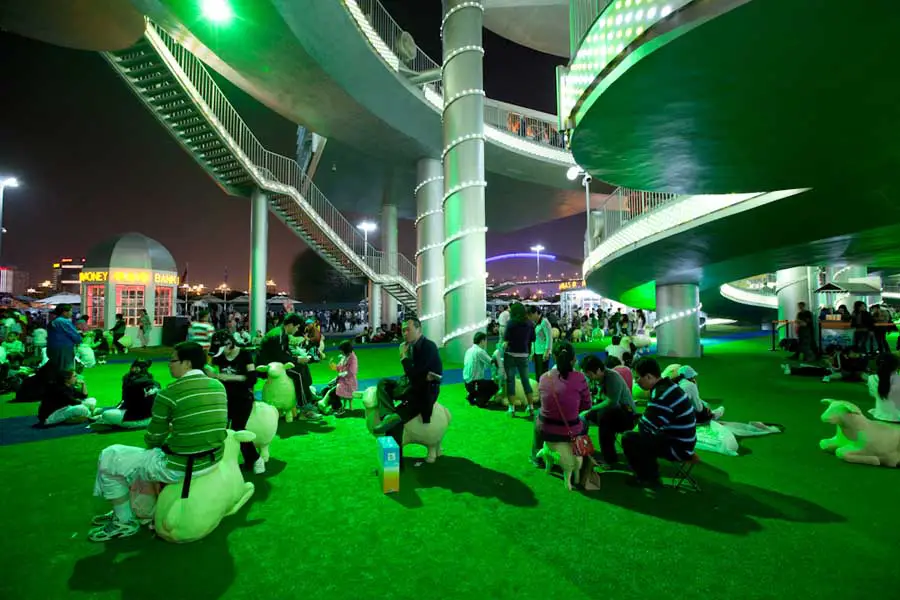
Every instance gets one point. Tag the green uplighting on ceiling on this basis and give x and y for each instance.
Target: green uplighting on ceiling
(642, 296)
(217, 11)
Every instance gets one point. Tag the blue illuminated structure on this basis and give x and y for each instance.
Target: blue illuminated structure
(531, 255)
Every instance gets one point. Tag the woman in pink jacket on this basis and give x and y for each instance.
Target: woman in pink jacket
(342, 394)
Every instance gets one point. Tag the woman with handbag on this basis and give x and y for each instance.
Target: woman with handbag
(564, 394)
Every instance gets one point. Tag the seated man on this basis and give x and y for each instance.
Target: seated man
(616, 349)
(418, 389)
(479, 390)
(615, 413)
(667, 429)
(276, 347)
(186, 434)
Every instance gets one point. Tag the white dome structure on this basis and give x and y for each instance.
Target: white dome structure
(126, 275)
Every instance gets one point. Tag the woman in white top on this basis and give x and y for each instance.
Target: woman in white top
(687, 381)
(886, 389)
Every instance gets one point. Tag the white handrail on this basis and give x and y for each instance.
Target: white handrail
(624, 205)
(272, 171)
(400, 53)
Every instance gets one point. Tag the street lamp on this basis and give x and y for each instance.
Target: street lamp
(366, 227)
(537, 250)
(6, 182)
(572, 174)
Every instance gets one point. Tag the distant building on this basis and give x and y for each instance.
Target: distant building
(66, 273)
(13, 281)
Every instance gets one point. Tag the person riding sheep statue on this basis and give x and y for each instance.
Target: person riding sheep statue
(414, 394)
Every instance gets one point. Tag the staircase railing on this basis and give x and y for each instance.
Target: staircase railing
(400, 53)
(272, 171)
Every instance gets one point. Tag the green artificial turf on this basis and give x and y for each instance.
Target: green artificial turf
(783, 520)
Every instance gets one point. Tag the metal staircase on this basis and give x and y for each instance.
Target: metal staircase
(179, 91)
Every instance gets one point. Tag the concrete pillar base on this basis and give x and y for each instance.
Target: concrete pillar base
(678, 320)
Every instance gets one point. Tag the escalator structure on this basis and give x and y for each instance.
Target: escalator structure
(179, 91)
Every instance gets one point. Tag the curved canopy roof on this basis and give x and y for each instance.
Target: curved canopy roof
(130, 251)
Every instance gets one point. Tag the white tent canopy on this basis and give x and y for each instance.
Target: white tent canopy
(57, 299)
(281, 300)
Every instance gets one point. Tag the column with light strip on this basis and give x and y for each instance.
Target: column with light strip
(389, 247)
(259, 255)
(678, 320)
(430, 248)
(465, 293)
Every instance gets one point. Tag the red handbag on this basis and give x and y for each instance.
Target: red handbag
(581, 444)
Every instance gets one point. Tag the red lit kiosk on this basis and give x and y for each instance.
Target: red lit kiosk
(125, 274)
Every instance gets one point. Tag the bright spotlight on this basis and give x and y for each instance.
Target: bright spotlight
(217, 11)
(573, 173)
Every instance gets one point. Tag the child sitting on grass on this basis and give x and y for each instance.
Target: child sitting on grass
(65, 401)
(15, 349)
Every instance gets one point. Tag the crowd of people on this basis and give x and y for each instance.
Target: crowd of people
(215, 374)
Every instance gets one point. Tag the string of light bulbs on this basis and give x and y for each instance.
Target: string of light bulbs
(458, 188)
(465, 330)
(456, 9)
(678, 316)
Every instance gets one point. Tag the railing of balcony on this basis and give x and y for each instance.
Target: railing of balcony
(399, 51)
(623, 206)
(279, 169)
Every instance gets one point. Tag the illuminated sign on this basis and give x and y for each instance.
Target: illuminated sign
(571, 285)
(128, 276)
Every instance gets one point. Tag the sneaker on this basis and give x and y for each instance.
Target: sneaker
(114, 529)
(511, 411)
(310, 415)
(529, 412)
(103, 519)
(259, 467)
(826, 379)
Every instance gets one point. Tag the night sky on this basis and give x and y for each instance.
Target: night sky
(93, 162)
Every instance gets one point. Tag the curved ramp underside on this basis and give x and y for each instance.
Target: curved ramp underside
(812, 227)
(743, 95)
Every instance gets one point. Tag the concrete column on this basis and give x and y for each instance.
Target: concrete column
(374, 306)
(259, 254)
(430, 248)
(792, 286)
(465, 292)
(389, 247)
(678, 320)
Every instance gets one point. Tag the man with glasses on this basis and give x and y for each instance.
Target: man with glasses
(667, 429)
(188, 425)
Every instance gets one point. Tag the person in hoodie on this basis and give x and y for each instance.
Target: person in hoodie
(62, 339)
(139, 390)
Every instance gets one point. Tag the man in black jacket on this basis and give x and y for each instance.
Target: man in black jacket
(276, 347)
(418, 390)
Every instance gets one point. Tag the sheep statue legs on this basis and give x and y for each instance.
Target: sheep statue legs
(429, 435)
(859, 440)
(217, 494)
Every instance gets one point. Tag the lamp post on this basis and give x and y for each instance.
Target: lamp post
(366, 227)
(5, 182)
(572, 174)
(537, 250)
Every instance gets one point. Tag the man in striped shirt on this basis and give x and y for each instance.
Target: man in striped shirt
(201, 330)
(667, 429)
(189, 420)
